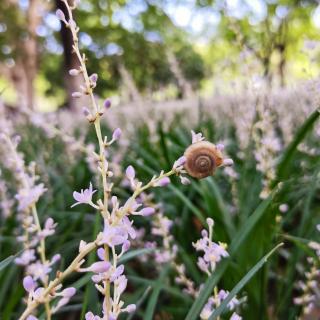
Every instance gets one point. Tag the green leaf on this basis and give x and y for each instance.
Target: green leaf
(237, 241)
(242, 283)
(155, 294)
(140, 302)
(133, 254)
(4, 263)
(188, 203)
(283, 167)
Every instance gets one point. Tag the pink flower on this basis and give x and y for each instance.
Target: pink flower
(121, 284)
(85, 196)
(49, 229)
(27, 197)
(117, 273)
(26, 257)
(39, 270)
(196, 137)
(114, 235)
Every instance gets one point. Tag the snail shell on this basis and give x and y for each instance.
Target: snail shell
(202, 158)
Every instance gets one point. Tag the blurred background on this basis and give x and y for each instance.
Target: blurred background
(156, 50)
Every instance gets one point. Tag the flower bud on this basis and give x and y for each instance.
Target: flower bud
(210, 222)
(185, 181)
(227, 162)
(163, 182)
(147, 211)
(99, 267)
(76, 94)
(93, 78)
(107, 104)
(86, 111)
(130, 308)
(116, 134)
(60, 15)
(69, 292)
(220, 146)
(130, 173)
(28, 283)
(180, 162)
(74, 72)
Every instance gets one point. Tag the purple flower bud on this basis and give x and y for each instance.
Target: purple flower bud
(107, 104)
(49, 224)
(93, 78)
(60, 15)
(72, 24)
(28, 283)
(86, 111)
(163, 182)
(220, 146)
(89, 316)
(130, 173)
(210, 222)
(55, 258)
(130, 308)
(126, 246)
(99, 267)
(116, 134)
(147, 211)
(101, 254)
(227, 162)
(184, 180)
(180, 162)
(69, 292)
(31, 317)
(76, 94)
(74, 72)
(204, 233)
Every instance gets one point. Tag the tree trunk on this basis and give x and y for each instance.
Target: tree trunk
(70, 62)
(282, 65)
(183, 84)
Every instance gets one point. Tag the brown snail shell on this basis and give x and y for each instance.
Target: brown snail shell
(202, 158)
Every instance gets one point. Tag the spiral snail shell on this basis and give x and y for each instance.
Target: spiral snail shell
(202, 158)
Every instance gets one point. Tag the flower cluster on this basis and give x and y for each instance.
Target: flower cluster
(37, 266)
(268, 146)
(310, 298)
(213, 252)
(215, 301)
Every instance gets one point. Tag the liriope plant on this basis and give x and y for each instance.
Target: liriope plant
(114, 240)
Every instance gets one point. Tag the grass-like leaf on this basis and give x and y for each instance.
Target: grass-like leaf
(133, 254)
(242, 283)
(155, 294)
(4, 263)
(283, 167)
(237, 241)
